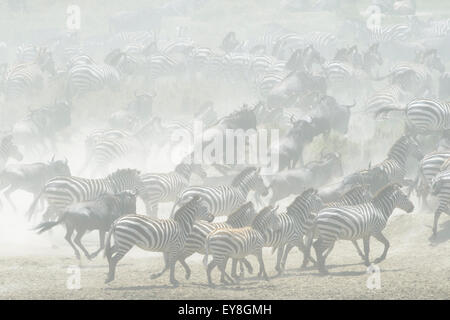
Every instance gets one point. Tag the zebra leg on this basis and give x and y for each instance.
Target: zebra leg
(171, 261)
(437, 214)
(380, 237)
(262, 269)
(320, 248)
(366, 242)
(224, 277)
(234, 267)
(187, 269)
(210, 268)
(166, 267)
(121, 252)
(68, 237)
(358, 249)
(101, 234)
(248, 265)
(306, 251)
(280, 255)
(77, 240)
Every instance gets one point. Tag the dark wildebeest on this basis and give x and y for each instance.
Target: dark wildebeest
(290, 148)
(136, 112)
(8, 149)
(98, 215)
(30, 177)
(296, 84)
(41, 126)
(313, 175)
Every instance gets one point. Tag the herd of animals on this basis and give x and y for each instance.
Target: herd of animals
(299, 80)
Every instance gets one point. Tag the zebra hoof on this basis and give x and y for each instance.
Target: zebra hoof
(175, 283)
(108, 280)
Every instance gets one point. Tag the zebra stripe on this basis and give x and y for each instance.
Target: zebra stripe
(165, 187)
(167, 236)
(440, 186)
(63, 191)
(358, 222)
(238, 243)
(223, 200)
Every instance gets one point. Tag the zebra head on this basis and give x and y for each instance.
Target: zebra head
(196, 206)
(243, 216)
(10, 149)
(250, 179)
(267, 219)
(392, 195)
(125, 179)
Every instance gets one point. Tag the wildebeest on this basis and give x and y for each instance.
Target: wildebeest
(30, 177)
(40, 127)
(137, 111)
(314, 174)
(98, 215)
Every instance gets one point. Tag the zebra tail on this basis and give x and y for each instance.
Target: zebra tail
(47, 225)
(385, 110)
(32, 207)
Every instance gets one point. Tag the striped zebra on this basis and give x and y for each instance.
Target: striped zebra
(196, 240)
(223, 200)
(236, 244)
(60, 192)
(294, 224)
(358, 222)
(165, 187)
(392, 96)
(431, 164)
(85, 78)
(394, 166)
(8, 150)
(27, 53)
(27, 79)
(424, 116)
(160, 235)
(440, 187)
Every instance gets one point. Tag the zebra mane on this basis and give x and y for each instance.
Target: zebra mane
(238, 214)
(242, 175)
(389, 189)
(402, 140)
(261, 220)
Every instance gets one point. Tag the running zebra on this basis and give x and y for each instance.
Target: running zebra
(84, 78)
(440, 187)
(27, 79)
(392, 96)
(358, 222)
(8, 150)
(424, 116)
(236, 244)
(165, 187)
(196, 241)
(160, 235)
(429, 167)
(223, 200)
(63, 191)
(394, 166)
(294, 224)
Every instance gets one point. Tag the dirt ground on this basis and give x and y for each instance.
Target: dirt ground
(416, 268)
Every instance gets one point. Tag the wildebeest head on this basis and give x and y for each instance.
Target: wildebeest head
(12, 149)
(127, 201)
(59, 167)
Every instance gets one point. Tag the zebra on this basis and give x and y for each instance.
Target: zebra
(294, 224)
(238, 243)
(394, 166)
(392, 96)
(164, 187)
(27, 79)
(27, 53)
(359, 221)
(8, 149)
(424, 116)
(431, 164)
(223, 200)
(96, 214)
(440, 188)
(84, 78)
(195, 243)
(161, 235)
(60, 192)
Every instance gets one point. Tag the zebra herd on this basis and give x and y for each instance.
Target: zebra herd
(299, 82)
